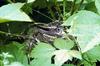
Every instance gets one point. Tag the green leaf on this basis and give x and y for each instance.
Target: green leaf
(27, 8)
(94, 54)
(94, 42)
(42, 50)
(6, 55)
(62, 56)
(16, 50)
(1, 63)
(42, 62)
(75, 54)
(42, 54)
(91, 7)
(85, 63)
(85, 25)
(97, 4)
(12, 12)
(63, 44)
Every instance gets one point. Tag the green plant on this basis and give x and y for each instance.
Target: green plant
(50, 33)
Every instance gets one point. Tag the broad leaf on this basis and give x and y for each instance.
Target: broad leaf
(94, 54)
(62, 56)
(95, 41)
(85, 25)
(63, 44)
(42, 61)
(42, 50)
(42, 53)
(85, 63)
(12, 12)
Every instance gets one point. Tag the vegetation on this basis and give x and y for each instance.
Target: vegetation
(49, 32)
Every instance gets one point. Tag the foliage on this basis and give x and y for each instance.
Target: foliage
(28, 36)
(13, 10)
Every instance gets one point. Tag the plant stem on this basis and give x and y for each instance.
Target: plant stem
(14, 1)
(9, 34)
(79, 5)
(58, 9)
(64, 10)
(8, 28)
(9, 1)
(72, 8)
(51, 12)
(43, 14)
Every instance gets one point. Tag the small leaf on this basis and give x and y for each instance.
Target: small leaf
(63, 44)
(61, 56)
(12, 12)
(6, 55)
(75, 54)
(97, 4)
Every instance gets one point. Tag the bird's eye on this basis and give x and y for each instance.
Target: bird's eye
(58, 29)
